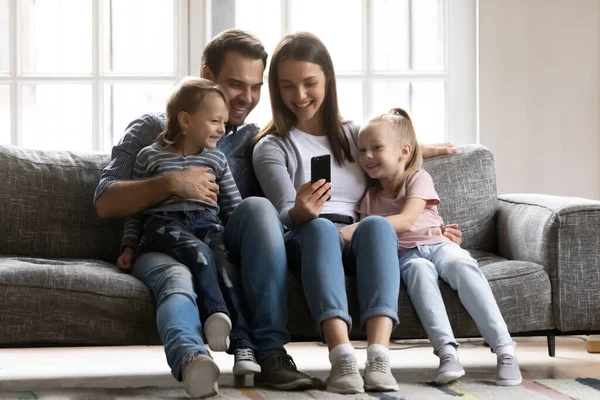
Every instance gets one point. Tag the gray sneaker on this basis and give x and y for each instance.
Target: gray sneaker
(245, 362)
(507, 371)
(344, 377)
(378, 375)
(200, 375)
(449, 370)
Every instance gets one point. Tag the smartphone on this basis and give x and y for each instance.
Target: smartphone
(320, 168)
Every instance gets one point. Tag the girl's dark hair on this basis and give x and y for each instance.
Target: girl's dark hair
(186, 97)
(304, 46)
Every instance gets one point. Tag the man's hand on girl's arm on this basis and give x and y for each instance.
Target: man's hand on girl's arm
(437, 149)
(451, 232)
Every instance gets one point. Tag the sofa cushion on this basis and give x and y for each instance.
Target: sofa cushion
(46, 202)
(522, 291)
(466, 184)
(80, 302)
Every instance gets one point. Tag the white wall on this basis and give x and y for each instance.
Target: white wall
(539, 91)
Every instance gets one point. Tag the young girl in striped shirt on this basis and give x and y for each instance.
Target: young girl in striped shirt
(191, 231)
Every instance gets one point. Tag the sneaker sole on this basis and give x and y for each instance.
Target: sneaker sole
(295, 385)
(201, 379)
(382, 388)
(448, 377)
(509, 382)
(217, 332)
(333, 389)
(246, 369)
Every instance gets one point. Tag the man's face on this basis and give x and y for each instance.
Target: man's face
(241, 78)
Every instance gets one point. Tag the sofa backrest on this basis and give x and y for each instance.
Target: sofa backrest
(466, 184)
(46, 205)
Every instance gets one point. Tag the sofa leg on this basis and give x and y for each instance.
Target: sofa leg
(551, 345)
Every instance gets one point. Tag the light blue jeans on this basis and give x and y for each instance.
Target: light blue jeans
(420, 269)
(254, 238)
(317, 249)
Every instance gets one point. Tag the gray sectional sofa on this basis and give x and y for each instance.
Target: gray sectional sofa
(59, 285)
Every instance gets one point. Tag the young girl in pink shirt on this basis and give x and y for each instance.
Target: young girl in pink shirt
(405, 195)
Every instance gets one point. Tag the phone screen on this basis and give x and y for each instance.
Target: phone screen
(320, 168)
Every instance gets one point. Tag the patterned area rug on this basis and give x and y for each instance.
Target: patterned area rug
(557, 389)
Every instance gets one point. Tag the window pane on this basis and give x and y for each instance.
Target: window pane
(139, 36)
(338, 23)
(4, 114)
(262, 113)
(56, 36)
(4, 17)
(389, 94)
(350, 99)
(428, 35)
(125, 102)
(57, 117)
(390, 30)
(428, 111)
(263, 18)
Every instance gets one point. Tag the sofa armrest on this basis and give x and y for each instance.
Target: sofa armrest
(563, 235)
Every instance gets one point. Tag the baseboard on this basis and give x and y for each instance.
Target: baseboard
(593, 344)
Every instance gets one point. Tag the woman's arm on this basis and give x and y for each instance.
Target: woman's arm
(437, 149)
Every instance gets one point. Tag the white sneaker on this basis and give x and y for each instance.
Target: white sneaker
(200, 376)
(217, 329)
(378, 375)
(344, 377)
(245, 362)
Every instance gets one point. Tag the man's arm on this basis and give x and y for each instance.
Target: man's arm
(117, 195)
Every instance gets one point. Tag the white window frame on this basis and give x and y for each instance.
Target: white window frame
(460, 49)
(98, 78)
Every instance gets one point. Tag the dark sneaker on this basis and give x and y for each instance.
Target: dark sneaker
(279, 372)
(245, 362)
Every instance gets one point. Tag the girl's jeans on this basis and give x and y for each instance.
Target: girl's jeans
(420, 269)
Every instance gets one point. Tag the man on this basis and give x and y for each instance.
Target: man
(254, 237)
(236, 60)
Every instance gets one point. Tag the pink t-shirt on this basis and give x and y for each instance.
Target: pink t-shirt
(427, 227)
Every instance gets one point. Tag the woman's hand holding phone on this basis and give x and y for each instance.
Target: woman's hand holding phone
(310, 200)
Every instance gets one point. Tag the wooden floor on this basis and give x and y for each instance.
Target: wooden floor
(138, 366)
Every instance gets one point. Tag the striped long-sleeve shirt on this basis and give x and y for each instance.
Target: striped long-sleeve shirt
(152, 161)
(143, 132)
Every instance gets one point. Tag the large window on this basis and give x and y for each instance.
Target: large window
(74, 73)
(415, 54)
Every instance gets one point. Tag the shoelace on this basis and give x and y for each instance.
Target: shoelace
(288, 362)
(244, 355)
(505, 360)
(446, 358)
(379, 364)
(348, 366)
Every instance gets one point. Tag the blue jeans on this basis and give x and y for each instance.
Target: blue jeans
(422, 266)
(253, 236)
(317, 249)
